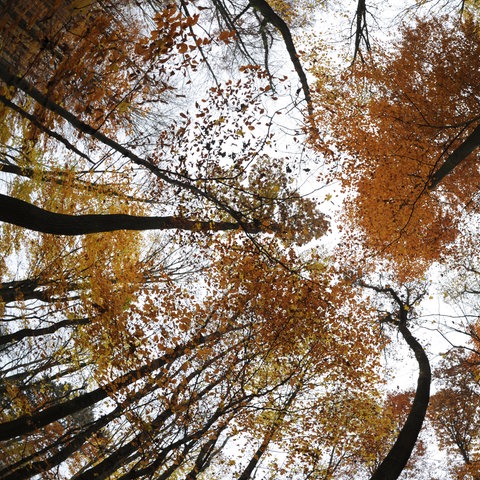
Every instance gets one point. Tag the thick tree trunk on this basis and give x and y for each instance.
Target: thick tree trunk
(29, 423)
(23, 214)
(35, 289)
(396, 460)
(471, 143)
(17, 290)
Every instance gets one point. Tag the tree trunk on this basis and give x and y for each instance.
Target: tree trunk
(394, 463)
(458, 155)
(37, 332)
(29, 423)
(28, 468)
(12, 80)
(277, 424)
(23, 214)
(120, 457)
(18, 290)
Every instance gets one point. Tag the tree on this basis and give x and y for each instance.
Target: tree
(20, 213)
(454, 411)
(404, 307)
(244, 354)
(164, 376)
(134, 354)
(402, 117)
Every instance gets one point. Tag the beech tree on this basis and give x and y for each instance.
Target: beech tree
(239, 357)
(225, 334)
(406, 118)
(454, 412)
(168, 52)
(401, 138)
(167, 370)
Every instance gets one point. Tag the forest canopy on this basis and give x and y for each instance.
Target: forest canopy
(223, 228)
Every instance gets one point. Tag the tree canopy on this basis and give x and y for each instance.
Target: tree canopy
(178, 297)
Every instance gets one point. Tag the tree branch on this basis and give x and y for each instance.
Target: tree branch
(23, 214)
(34, 121)
(12, 80)
(361, 31)
(272, 17)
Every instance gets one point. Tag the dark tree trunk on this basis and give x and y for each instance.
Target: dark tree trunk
(29, 423)
(126, 452)
(17, 290)
(273, 18)
(37, 332)
(396, 460)
(40, 126)
(23, 214)
(471, 143)
(28, 467)
(12, 80)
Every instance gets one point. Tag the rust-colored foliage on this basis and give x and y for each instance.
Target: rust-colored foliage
(132, 355)
(455, 412)
(85, 59)
(392, 121)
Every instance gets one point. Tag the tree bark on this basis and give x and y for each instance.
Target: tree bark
(23, 214)
(458, 155)
(396, 460)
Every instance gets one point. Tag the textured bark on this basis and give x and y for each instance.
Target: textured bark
(396, 460)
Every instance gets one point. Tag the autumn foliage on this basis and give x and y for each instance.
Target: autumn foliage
(392, 122)
(129, 354)
(167, 306)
